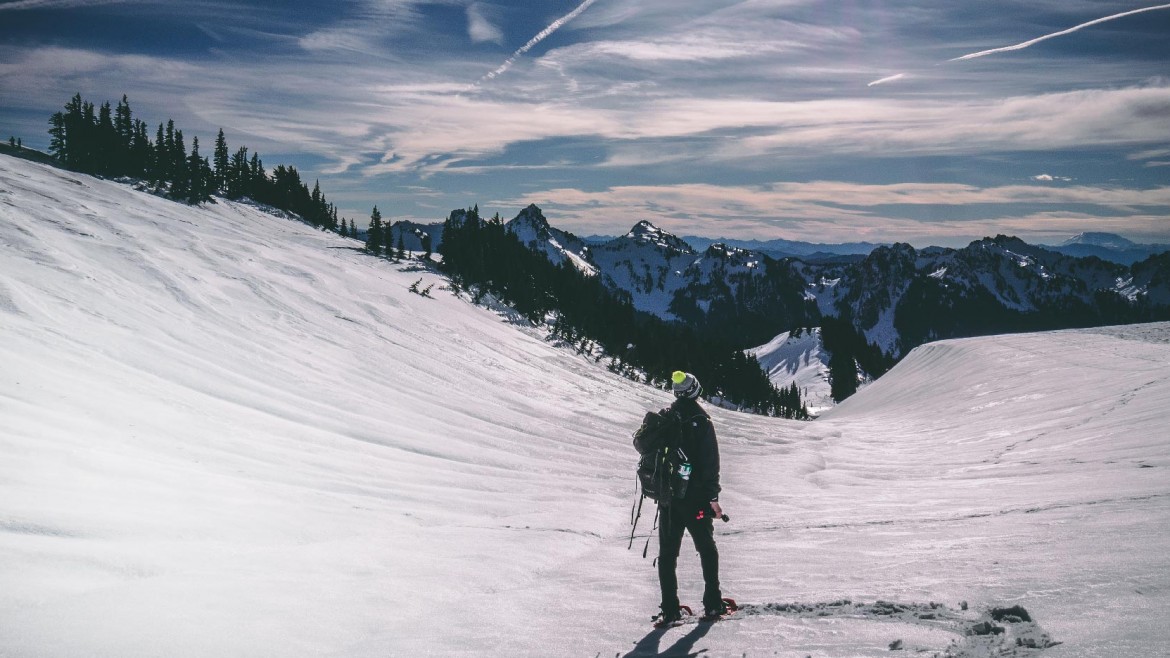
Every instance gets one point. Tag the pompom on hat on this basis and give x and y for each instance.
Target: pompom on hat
(685, 385)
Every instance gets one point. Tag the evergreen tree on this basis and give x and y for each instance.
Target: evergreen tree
(317, 211)
(220, 160)
(57, 137)
(159, 158)
(374, 234)
(388, 238)
(66, 130)
(87, 135)
(426, 245)
(105, 142)
(110, 141)
(237, 174)
(140, 150)
(256, 180)
(167, 164)
(200, 179)
(123, 156)
(180, 178)
(401, 245)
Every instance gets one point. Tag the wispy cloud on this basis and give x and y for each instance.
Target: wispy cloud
(479, 28)
(1050, 121)
(1075, 28)
(843, 211)
(541, 36)
(1149, 154)
(678, 91)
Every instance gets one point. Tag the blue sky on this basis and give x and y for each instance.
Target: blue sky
(819, 121)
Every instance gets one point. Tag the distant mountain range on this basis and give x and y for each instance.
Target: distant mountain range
(774, 248)
(880, 301)
(892, 297)
(789, 248)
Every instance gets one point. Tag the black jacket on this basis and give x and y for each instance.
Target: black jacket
(701, 448)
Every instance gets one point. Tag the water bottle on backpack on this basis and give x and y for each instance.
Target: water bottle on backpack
(684, 476)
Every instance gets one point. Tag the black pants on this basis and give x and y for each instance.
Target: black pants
(677, 519)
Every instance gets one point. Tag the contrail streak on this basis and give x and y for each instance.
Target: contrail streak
(886, 79)
(54, 4)
(553, 27)
(1021, 46)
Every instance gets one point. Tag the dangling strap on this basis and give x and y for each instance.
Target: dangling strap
(650, 534)
(634, 517)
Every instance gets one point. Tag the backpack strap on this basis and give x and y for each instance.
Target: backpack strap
(634, 518)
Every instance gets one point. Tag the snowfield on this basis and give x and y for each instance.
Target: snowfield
(223, 433)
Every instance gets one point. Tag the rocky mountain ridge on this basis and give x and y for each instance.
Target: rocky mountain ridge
(877, 307)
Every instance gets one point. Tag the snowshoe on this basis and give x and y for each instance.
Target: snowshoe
(667, 619)
(726, 607)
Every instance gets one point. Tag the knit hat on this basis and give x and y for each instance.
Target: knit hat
(685, 385)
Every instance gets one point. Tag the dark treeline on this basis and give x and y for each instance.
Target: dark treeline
(482, 257)
(380, 239)
(111, 142)
(849, 350)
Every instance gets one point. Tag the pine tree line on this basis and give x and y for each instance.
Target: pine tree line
(380, 238)
(111, 142)
(482, 257)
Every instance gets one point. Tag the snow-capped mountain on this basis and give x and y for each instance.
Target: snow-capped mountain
(1108, 246)
(664, 276)
(900, 297)
(227, 433)
(883, 305)
(559, 246)
(1097, 239)
(648, 264)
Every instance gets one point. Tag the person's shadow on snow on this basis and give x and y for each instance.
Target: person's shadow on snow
(647, 647)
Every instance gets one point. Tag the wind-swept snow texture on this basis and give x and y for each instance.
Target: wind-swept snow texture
(223, 433)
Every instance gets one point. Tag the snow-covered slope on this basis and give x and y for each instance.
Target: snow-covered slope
(224, 433)
(799, 356)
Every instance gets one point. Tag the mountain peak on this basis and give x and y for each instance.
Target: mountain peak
(1100, 239)
(532, 215)
(642, 228)
(532, 228)
(646, 232)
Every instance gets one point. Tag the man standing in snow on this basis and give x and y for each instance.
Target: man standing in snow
(698, 508)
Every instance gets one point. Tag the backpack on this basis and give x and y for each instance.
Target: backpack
(662, 458)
